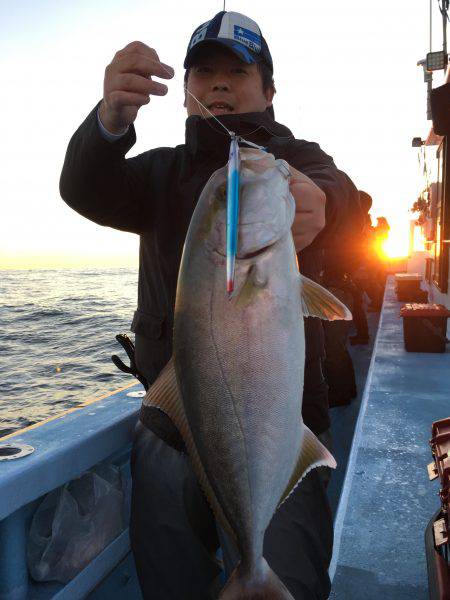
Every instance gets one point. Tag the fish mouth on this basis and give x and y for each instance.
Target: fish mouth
(248, 255)
(255, 253)
(219, 107)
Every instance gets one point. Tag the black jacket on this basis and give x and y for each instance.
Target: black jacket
(154, 195)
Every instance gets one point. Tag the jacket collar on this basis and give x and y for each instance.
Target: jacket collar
(205, 136)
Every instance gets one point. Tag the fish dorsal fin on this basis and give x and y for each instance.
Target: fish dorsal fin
(164, 394)
(319, 302)
(312, 454)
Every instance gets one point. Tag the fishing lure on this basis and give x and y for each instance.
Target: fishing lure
(232, 211)
(233, 183)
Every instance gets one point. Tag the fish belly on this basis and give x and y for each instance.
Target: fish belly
(240, 371)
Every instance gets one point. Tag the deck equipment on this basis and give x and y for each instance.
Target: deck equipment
(437, 535)
(424, 327)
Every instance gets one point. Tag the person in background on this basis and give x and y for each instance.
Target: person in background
(338, 365)
(359, 275)
(229, 70)
(340, 260)
(377, 278)
(382, 230)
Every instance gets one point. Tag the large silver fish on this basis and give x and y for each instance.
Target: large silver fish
(234, 385)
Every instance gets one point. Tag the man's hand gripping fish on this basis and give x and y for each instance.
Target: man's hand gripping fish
(234, 385)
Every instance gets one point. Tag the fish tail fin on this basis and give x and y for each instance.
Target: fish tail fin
(262, 584)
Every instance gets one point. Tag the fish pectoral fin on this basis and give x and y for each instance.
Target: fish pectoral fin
(312, 454)
(165, 395)
(319, 302)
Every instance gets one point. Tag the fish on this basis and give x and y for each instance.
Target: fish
(234, 384)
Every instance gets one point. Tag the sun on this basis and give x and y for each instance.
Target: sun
(397, 243)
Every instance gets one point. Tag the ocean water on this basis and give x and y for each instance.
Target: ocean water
(57, 335)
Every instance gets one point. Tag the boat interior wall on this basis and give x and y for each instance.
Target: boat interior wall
(435, 296)
(65, 448)
(434, 218)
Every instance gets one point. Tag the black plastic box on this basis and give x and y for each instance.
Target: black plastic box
(407, 287)
(424, 327)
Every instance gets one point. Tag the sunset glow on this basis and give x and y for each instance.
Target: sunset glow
(25, 260)
(418, 240)
(401, 241)
(72, 46)
(397, 244)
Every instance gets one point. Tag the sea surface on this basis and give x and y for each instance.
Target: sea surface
(57, 335)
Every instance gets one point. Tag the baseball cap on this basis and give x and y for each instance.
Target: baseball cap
(235, 31)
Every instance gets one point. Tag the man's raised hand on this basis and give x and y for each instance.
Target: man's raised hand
(128, 85)
(310, 203)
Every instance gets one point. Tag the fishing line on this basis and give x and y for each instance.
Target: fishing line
(280, 137)
(233, 186)
(241, 139)
(230, 133)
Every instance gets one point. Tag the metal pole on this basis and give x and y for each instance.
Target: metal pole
(444, 31)
(431, 23)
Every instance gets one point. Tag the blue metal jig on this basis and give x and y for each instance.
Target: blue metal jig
(232, 210)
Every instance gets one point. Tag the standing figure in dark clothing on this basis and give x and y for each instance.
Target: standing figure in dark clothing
(315, 387)
(377, 278)
(339, 263)
(229, 71)
(359, 276)
(338, 365)
(382, 229)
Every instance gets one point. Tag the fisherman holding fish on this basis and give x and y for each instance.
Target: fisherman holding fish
(243, 459)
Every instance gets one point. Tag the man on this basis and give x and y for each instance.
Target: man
(340, 262)
(229, 71)
(359, 272)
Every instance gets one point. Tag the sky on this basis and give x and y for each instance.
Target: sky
(346, 76)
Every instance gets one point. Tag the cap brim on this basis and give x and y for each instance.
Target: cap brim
(241, 51)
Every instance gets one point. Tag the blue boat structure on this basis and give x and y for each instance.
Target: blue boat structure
(65, 447)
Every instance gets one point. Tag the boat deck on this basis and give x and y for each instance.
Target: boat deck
(344, 418)
(387, 499)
